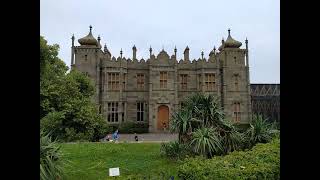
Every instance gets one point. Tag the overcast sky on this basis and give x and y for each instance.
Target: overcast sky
(200, 24)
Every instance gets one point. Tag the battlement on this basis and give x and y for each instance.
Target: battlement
(229, 49)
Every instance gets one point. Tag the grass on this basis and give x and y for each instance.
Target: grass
(93, 160)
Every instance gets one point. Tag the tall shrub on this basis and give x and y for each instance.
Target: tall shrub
(260, 131)
(67, 109)
(206, 142)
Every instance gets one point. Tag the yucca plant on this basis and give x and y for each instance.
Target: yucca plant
(206, 141)
(260, 131)
(50, 163)
(206, 109)
(232, 139)
(181, 122)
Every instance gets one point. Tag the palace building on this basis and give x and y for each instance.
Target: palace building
(149, 90)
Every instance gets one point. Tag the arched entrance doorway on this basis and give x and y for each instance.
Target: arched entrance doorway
(163, 117)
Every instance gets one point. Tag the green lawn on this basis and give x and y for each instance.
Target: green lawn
(93, 160)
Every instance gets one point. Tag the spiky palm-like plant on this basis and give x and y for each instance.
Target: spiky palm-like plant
(206, 109)
(260, 131)
(231, 138)
(206, 141)
(50, 163)
(181, 122)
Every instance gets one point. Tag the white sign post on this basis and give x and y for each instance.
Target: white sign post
(114, 171)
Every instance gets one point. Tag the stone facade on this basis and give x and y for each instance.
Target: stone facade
(150, 90)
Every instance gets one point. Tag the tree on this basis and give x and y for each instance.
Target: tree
(67, 110)
(201, 124)
(181, 122)
(206, 109)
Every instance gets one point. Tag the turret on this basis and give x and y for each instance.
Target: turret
(106, 50)
(247, 53)
(72, 50)
(88, 40)
(150, 50)
(99, 45)
(186, 53)
(175, 52)
(134, 51)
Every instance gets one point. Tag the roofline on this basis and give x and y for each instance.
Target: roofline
(264, 83)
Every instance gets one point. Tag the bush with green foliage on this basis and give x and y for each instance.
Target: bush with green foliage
(201, 124)
(175, 150)
(50, 162)
(261, 162)
(260, 131)
(131, 127)
(206, 142)
(67, 110)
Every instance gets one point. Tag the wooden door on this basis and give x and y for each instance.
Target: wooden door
(163, 117)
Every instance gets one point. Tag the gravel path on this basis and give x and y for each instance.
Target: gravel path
(149, 137)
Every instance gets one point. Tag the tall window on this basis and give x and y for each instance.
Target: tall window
(163, 79)
(113, 112)
(210, 81)
(199, 82)
(236, 113)
(140, 81)
(124, 77)
(140, 111)
(236, 82)
(183, 81)
(113, 81)
(122, 113)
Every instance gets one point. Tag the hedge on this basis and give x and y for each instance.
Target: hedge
(261, 162)
(131, 127)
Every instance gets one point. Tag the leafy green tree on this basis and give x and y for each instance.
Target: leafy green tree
(67, 109)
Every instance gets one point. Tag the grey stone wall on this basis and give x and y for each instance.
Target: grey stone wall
(225, 64)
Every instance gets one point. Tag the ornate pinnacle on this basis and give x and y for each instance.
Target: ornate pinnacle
(90, 28)
(229, 31)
